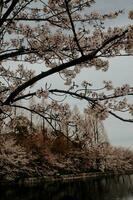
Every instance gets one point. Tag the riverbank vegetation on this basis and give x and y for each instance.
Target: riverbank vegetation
(33, 151)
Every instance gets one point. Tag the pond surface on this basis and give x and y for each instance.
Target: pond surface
(117, 188)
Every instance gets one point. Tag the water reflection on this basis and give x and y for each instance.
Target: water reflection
(117, 188)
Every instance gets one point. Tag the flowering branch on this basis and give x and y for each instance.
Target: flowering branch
(92, 101)
(61, 67)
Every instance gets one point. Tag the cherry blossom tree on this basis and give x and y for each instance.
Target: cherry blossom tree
(65, 36)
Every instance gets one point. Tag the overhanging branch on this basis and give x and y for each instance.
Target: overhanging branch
(92, 101)
(19, 52)
(61, 67)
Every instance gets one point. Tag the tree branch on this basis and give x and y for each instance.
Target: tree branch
(73, 28)
(59, 68)
(31, 110)
(8, 12)
(90, 100)
(121, 118)
(19, 52)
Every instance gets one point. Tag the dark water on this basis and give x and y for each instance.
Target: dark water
(117, 188)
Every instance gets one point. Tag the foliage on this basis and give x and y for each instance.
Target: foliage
(20, 125)
(13, 159)
(34, 156)
(108, 158)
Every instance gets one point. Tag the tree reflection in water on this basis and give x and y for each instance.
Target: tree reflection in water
(101, 189)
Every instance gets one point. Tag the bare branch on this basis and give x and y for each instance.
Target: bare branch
(73, 28)
(19, 52)
(7, 13)
(121, 118)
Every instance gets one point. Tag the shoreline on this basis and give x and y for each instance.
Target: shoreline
(35, 181)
